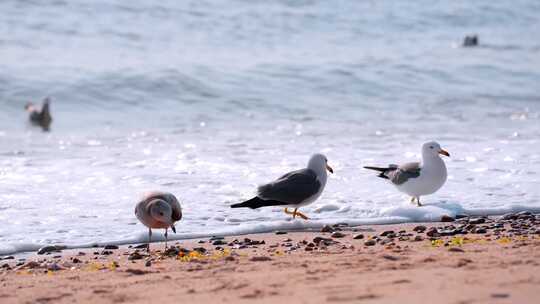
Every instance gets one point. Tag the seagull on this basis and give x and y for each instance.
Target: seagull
(294, 189)
(41, 117)
(158, 210)
(417, 179)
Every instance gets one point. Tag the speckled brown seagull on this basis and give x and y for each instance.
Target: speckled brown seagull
(158, 210)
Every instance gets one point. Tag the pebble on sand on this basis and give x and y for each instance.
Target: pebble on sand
(370, 242)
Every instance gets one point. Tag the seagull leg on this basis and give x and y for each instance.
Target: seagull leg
(149, 239)
(289, 212)
(166, 234)
(412, 200)
(418, 201)
(296, 212)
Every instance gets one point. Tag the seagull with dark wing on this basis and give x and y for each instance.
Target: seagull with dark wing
(40, 117)
(294, 189)
(418, 179)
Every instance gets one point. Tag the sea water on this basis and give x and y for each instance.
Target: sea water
(208, 99)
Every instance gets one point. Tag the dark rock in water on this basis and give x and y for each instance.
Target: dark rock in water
(461, 216)
(387, 232)
(327, 228)
(106, 252)
(509, 216)
(215, 238)
(308, 248)
(432, 232)
(447, 218)
(50, 248)
(470, 41)
(280, 232)
(358, 236)
(219, 242)
(418, 238)
(141, 246)
(148, 263)
(370, 242)
(76, 261)
(337, 235)
(6, 266)
(420, 228)
(110, 247)
(476, 221)
(260, 259)
(8, 257)
(455, 249)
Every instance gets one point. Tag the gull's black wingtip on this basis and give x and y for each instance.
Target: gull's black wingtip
(252, 203)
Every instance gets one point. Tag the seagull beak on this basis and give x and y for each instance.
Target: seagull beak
(329, 169)
(173, 228)
(443, 152)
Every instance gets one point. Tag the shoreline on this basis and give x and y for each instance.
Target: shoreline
(476, 259)
(286, 225)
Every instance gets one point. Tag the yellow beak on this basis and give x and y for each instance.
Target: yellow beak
(329, 169)
(443, 152)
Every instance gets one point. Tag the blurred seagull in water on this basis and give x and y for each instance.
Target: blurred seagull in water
(158, 210)
(294, 189)
(417, 179)
(41, 117)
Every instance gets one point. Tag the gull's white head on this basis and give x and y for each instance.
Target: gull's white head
(319, 164)
(160, 211)
(433, 149)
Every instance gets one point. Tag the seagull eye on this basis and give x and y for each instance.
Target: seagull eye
(431, 147)
(161, 213)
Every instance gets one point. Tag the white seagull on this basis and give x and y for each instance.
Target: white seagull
(417, 179)
(158, 210)
(294, 189)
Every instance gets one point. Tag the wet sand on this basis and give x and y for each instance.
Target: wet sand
(471, 260)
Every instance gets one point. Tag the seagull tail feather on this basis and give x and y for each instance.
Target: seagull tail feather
(256, 202)
(376, 168)
(379, 169)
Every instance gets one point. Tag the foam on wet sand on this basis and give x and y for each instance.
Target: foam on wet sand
(471, 259)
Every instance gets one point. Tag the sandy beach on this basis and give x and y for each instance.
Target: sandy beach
(470, 260)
